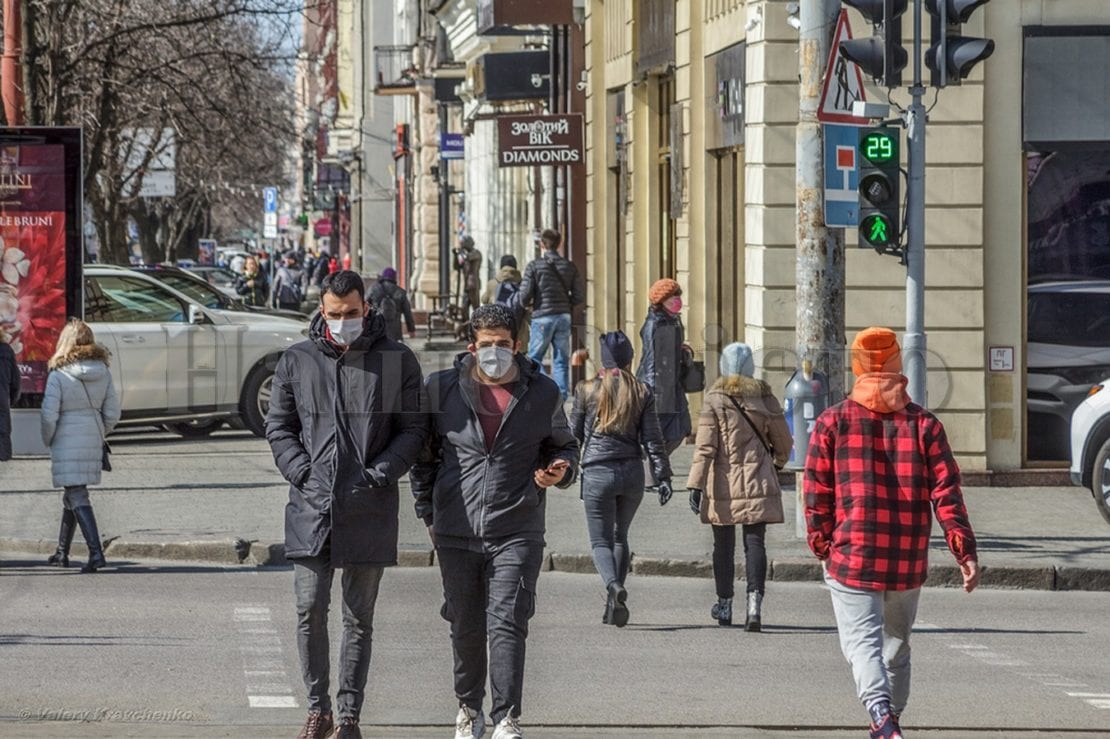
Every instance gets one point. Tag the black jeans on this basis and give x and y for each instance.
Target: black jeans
(611, 492)
(312, 578)
(490, 597)
(724, 558)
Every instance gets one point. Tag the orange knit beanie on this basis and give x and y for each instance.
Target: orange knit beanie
(663, 289)
(876, 349)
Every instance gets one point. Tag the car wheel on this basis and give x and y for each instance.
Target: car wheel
(1100, 480)
(255, 401)
(195, 429)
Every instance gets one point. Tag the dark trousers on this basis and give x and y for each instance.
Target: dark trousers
(490, 597)
(312, 579)
(724, 558)
(611, 492)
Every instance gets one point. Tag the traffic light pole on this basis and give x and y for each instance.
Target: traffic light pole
(914, 342)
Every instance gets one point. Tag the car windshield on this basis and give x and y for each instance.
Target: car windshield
(199, 291)
(218, 277)
(1070, 318)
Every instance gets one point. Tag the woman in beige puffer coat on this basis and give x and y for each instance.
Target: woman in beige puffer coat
(742, 439)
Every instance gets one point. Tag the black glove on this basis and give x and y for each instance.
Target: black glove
(665, 491)
(695, 500)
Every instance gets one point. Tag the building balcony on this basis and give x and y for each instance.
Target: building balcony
(397, 70)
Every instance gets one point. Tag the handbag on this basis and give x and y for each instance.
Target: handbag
(105, 448)
(692, 373)
(766, 446)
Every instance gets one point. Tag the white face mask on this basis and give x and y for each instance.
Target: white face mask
(345, 330)
(495, 361)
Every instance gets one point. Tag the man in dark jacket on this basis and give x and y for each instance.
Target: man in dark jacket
(289, 285)
(878, 466)
(499, 439)
(391, 302)
(345, 423)
(9, 393)
(553, 288)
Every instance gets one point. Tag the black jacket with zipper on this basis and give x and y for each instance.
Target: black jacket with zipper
(468, 493)
(641, 434)
(662, 337)
(344, 427)
(551, 286)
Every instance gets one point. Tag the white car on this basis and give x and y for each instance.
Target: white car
(1090, 446)
(179, 363)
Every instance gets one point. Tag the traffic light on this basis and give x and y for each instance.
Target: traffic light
(880, 187)
(952, 55)
(881, 56)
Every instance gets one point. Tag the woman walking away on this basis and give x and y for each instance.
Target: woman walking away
(80, 407)
(614, 421)
(742, 440)
(663, 338)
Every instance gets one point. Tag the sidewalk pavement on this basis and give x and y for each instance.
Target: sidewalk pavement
(221, 500)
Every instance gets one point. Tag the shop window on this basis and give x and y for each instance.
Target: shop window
(1068, 308)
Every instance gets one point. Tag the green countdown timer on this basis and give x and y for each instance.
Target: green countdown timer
(877, 230)
(879, 148)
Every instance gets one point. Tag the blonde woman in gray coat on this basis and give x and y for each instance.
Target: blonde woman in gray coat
(79, 408)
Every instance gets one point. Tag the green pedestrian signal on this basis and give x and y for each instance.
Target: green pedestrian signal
(876, 231)
(880, 186)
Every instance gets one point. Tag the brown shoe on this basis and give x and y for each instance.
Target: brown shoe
(318, 725)
(348, 729)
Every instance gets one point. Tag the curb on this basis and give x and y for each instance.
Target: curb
(788, 569)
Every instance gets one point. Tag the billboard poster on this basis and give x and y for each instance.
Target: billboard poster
(33, 269)
(206, 252)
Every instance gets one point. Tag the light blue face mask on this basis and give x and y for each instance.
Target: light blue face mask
(495, 361)
(345, 330)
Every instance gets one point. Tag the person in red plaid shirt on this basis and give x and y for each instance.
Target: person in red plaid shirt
(877, 463)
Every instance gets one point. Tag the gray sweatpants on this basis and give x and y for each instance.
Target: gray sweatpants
(875, 628)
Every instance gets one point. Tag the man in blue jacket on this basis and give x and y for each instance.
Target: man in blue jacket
(499, 440)
(345, 423)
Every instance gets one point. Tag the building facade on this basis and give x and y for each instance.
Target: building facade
(691, 122)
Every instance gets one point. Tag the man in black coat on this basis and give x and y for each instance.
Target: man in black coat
(9, 393)
(345, 423)
(499, 439)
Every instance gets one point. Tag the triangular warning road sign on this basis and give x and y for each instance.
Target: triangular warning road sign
(843, 81)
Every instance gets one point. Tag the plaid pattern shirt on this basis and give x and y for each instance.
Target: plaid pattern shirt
(870, 479)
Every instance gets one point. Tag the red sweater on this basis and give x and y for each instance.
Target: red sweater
(870, 481)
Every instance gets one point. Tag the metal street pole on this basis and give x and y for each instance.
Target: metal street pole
(819, 269)
(914, 341)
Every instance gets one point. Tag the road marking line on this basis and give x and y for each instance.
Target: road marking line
(272, 701)
(266, 681)
(1089, 695)
(1099, 702)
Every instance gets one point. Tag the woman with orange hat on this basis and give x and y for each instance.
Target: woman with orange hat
(663, 338)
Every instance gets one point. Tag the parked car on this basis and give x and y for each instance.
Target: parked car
(209, 296)
(180, 362)
(1068, 351)
(1090, 446)
(221, 278)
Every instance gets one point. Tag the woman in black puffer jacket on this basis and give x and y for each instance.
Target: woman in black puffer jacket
(614, 421)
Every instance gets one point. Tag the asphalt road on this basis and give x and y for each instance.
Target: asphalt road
(163, 650)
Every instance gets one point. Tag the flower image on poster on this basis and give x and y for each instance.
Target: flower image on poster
(32, 256)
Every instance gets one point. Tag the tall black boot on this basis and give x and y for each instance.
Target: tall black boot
(87, 521)
(60, 558)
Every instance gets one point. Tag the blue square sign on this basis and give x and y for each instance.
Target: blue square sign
(841, 176)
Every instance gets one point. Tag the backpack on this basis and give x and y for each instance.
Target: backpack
(508, 294)
(290, 289)
(387, 306)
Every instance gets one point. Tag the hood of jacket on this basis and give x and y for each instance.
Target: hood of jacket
(373, 330)
(740, 386)
(509, 274)
(86, 370)
(882, 392)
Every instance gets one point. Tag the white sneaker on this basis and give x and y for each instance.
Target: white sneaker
(509, 728)
(470, 724)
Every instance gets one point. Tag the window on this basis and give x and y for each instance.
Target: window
(112, 299)
(668, 243)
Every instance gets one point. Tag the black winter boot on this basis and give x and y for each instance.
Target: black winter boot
(60, 558)
(87, 521)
